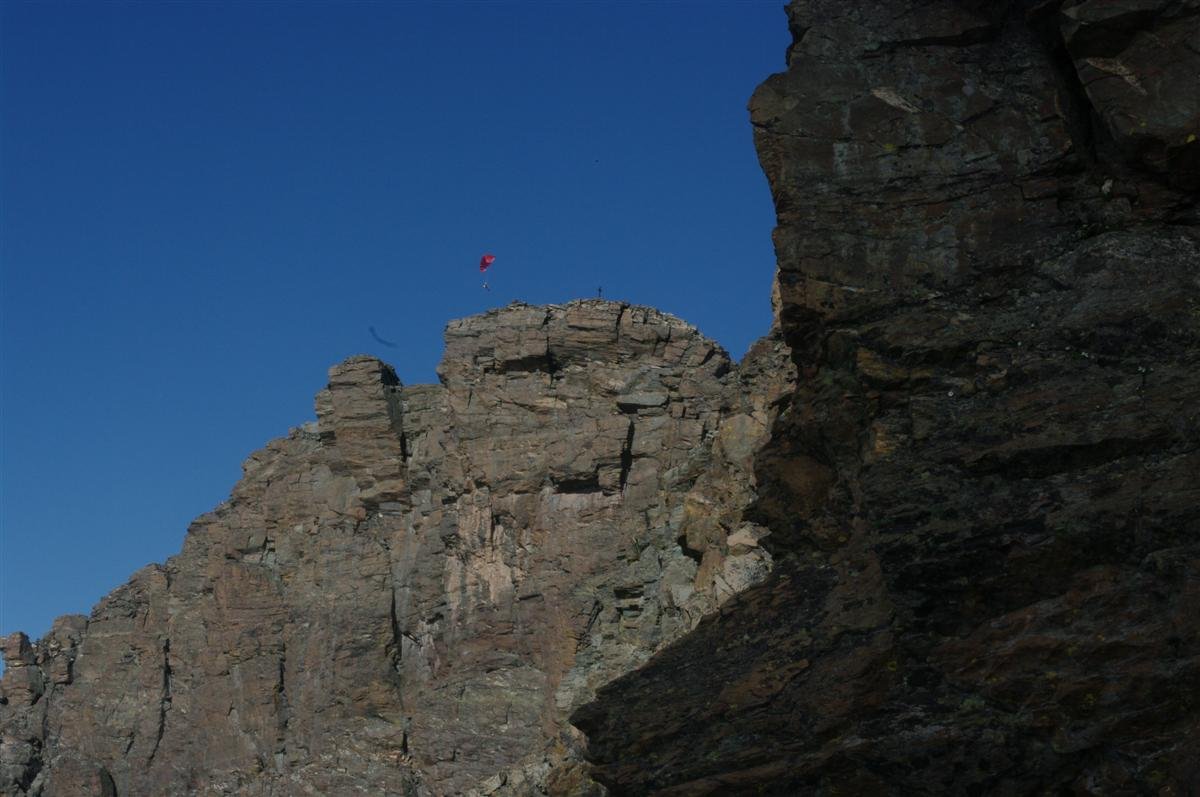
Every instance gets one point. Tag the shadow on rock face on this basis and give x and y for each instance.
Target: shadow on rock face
(981, 495)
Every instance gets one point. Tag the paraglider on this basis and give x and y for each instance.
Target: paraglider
(485, 262)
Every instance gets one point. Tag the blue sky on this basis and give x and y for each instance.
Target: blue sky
(205, 205)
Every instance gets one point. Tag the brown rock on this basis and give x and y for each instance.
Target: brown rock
(410, 595)
(1139, 63)
(958, 555)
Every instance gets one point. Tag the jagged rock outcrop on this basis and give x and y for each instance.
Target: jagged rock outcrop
(946, 540)
(983, 497)
(410, 595)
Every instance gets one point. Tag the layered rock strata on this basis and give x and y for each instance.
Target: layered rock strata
(983, 495)
(410, 595)
(959, 554)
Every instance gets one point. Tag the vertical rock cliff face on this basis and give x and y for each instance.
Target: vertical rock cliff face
(410, 595)
(946, 540)
(983, 498)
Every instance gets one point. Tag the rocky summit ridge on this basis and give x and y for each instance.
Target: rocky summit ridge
(410, 595)
(938, 533)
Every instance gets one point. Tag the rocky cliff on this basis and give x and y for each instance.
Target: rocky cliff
(985, 493)
(410, 595)
(940, 533)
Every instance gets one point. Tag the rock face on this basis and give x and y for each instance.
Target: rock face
(940, 534)
(983, 497)
(410, 595)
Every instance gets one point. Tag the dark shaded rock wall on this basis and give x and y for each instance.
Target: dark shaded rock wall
(985, 495)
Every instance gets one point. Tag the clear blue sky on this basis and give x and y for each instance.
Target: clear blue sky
(205, 205)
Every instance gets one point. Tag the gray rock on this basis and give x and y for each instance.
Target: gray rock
(411, 595)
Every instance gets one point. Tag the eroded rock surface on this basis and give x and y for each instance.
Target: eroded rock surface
(957, 553)
(984, 497)
(410, 595)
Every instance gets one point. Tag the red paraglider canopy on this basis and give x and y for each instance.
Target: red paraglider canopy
(486, 261)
